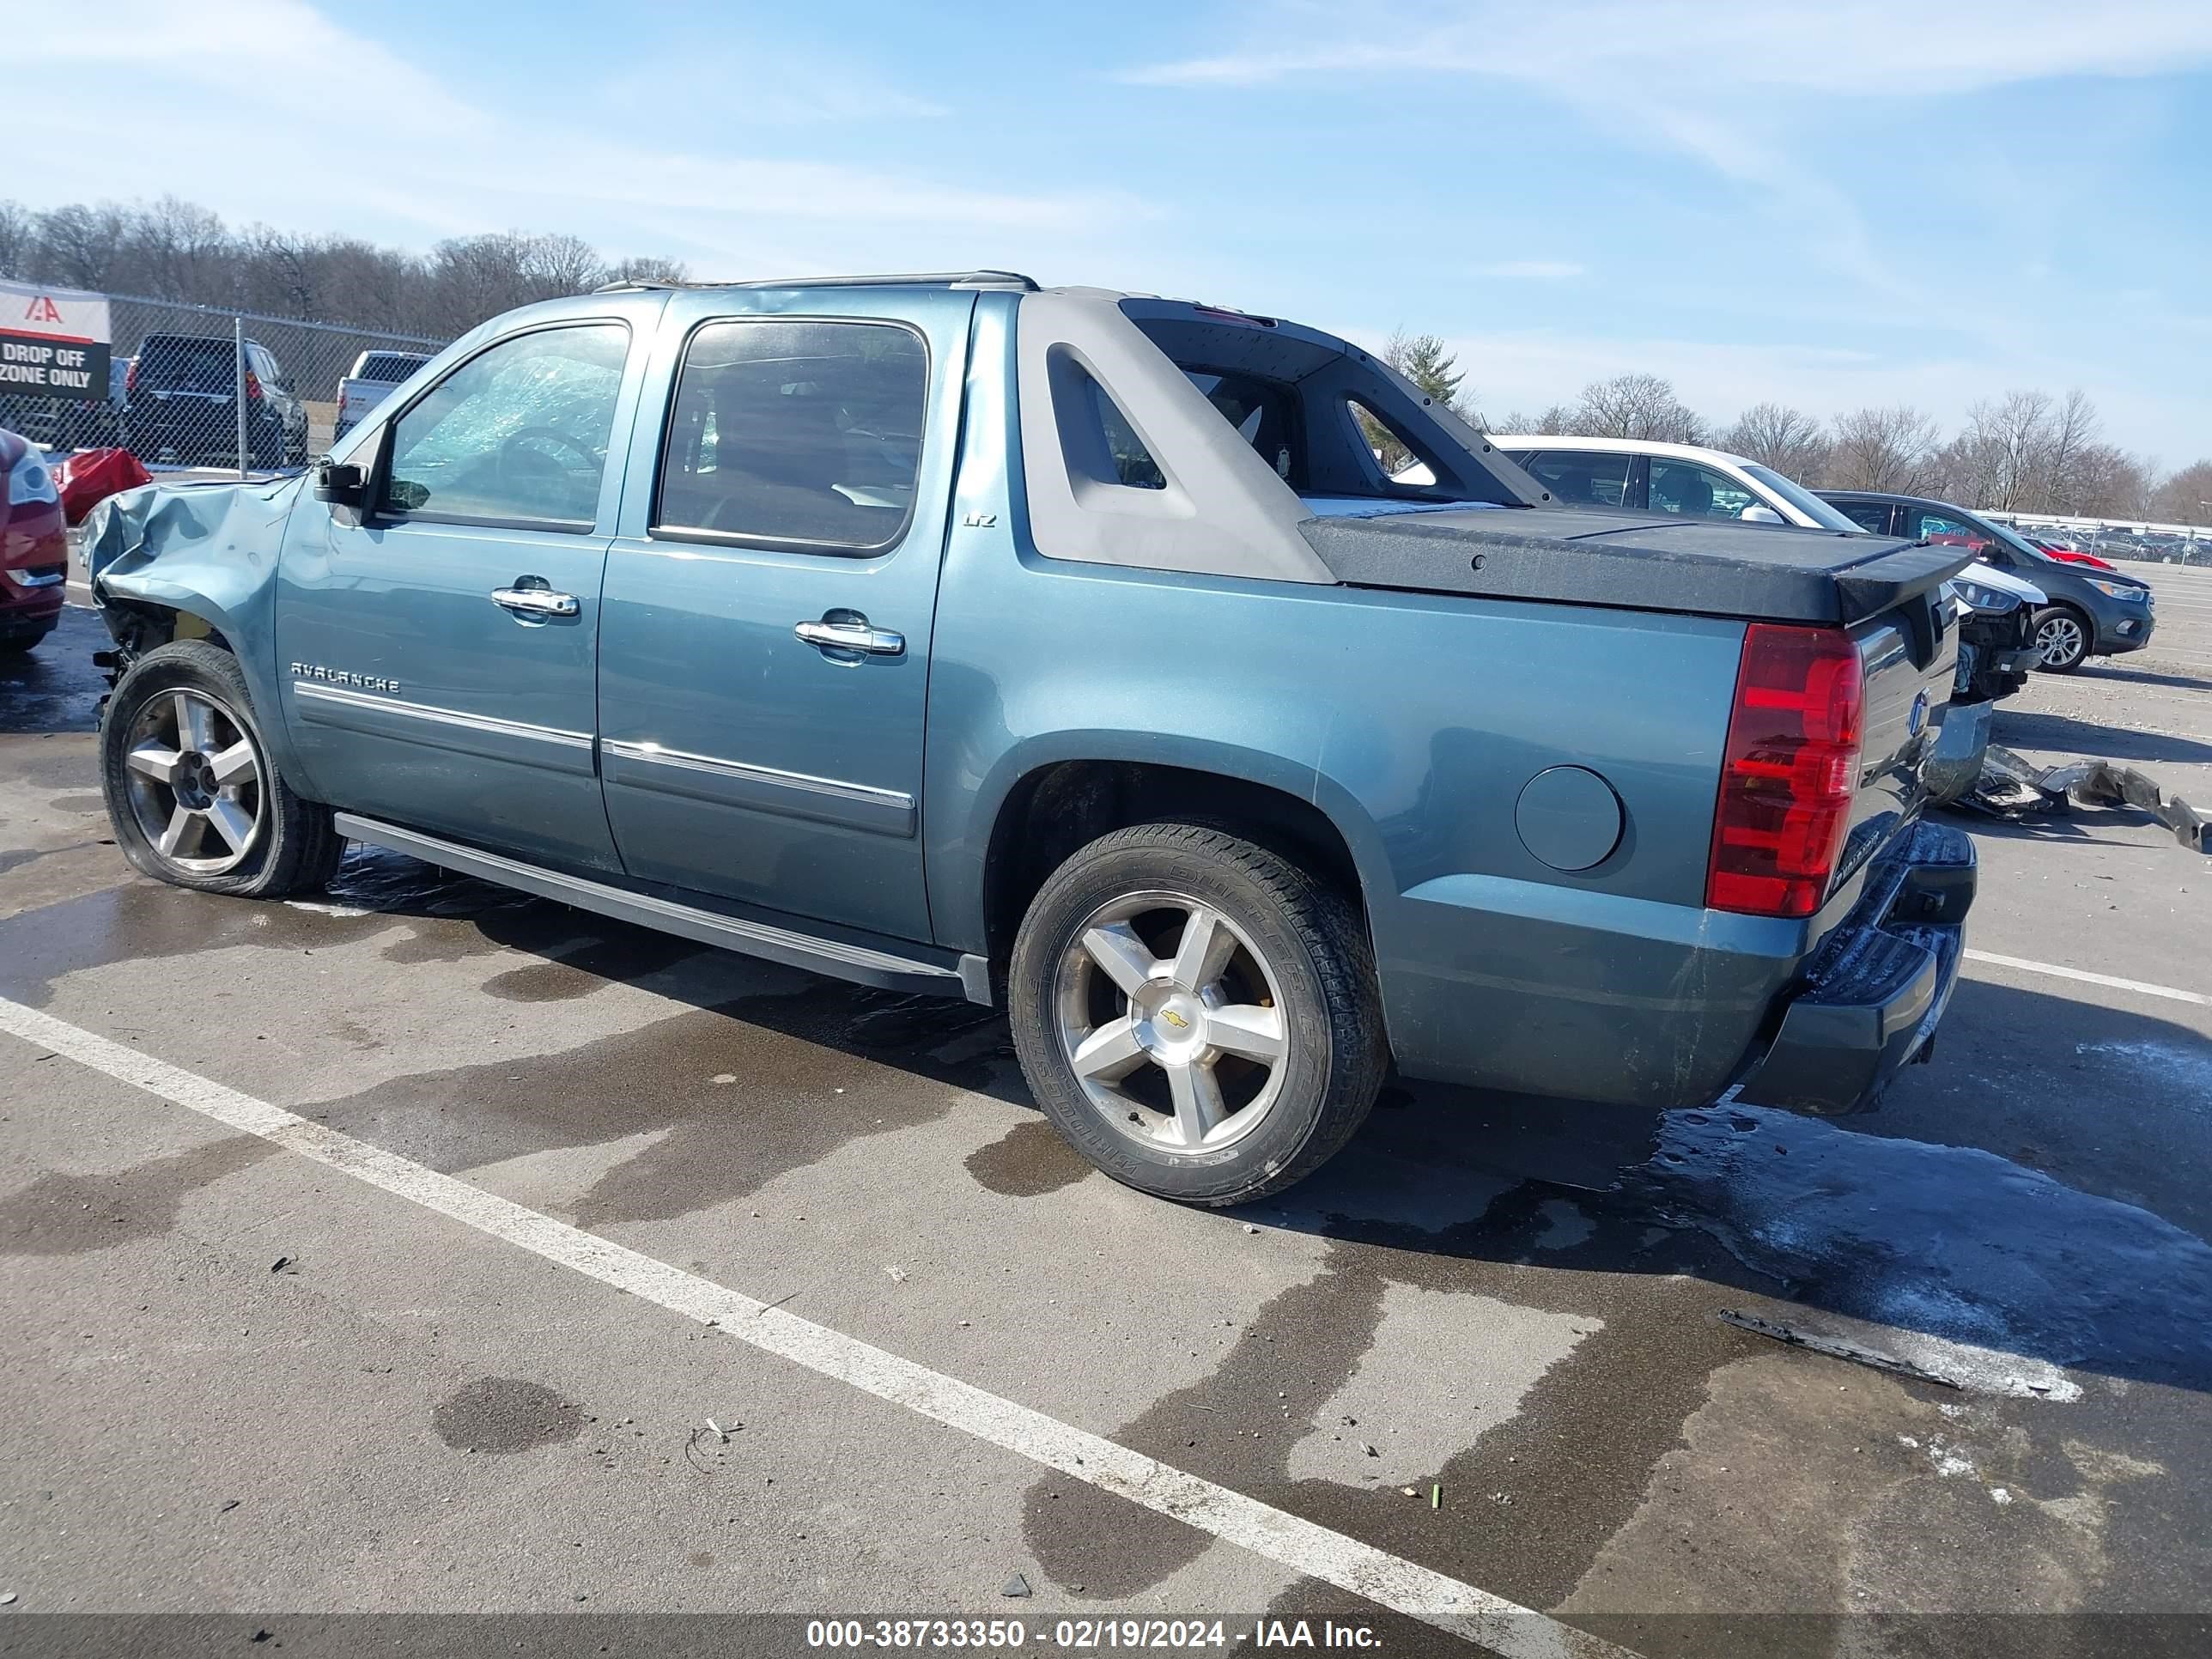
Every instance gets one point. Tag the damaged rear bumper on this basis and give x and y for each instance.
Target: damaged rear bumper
(1871, 996)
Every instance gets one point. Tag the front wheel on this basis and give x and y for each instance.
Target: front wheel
(191, 790)
(2062, 637)
(1196, 1015)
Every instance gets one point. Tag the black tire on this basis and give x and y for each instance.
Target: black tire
(2063, 615)
(1309, 936)
(17, 645)
(294, 847)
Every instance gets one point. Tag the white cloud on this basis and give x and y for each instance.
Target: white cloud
(1722, 81)
(1533, 270)
(435, 161)
(1851, 48)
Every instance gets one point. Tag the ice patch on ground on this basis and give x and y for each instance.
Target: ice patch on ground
(2020, 1272)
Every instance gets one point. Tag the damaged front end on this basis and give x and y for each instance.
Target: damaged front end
(195, 561)
(1996, 654)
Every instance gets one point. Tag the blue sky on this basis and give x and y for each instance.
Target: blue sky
(1880, 201)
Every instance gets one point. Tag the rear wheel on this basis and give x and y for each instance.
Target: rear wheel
(2063, 636)
(191, 790)
(16, 645)
(1195, 1014)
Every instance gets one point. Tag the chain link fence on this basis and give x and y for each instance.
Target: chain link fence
(238, 392)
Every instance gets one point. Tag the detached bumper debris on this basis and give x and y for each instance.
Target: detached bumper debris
(2011, 787)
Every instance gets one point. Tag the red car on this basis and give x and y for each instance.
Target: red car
(34, 546)
(2066, 555)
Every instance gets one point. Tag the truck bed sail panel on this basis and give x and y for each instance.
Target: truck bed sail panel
(1638, 562)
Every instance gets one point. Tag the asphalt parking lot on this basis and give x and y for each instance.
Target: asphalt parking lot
(271, 1357)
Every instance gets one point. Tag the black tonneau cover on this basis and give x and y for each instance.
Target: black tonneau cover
(1634, 561)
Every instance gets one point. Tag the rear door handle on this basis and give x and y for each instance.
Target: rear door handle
(849, 630)
(538, 602)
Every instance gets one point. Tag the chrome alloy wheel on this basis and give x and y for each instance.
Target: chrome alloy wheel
(2060, 640)
(195, 782)
(1172, 1022)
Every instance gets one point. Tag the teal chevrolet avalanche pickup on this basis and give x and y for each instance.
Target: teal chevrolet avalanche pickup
(1070, 651)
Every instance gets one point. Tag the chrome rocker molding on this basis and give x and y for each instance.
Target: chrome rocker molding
(838, 957)
(760, 788)
(544, 746)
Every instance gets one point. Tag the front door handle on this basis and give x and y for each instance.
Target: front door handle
(531, 598)
(848, 631)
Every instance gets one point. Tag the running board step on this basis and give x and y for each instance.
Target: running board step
(838, 957)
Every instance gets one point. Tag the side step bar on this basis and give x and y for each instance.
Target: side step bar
(837, 958)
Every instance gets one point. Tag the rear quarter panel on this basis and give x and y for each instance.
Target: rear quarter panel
(1413, 722)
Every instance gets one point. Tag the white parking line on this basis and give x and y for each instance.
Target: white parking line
(1386, 1580)
(2141, 986)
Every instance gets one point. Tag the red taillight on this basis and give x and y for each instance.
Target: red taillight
(130, 378)
(253, 387)
(1790, 772)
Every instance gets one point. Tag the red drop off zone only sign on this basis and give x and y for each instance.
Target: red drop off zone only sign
(53, 343)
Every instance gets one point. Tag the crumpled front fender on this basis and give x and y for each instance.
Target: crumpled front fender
(206, 550)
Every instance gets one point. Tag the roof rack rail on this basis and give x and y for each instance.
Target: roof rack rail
(991, 279)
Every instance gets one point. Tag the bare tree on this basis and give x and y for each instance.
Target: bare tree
(81, 247)
(178, 251)
(1636, 406)
(19, 235)
(1787, 440)
(1890, 449)
(2107, 482)
(2074, 426)
(2181, 499)
(175, 249)
(646, 269)
(1997, 461)
(557, 264)
(1554, 421)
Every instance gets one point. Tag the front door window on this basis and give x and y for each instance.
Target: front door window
(1582, 478)
(516, 435)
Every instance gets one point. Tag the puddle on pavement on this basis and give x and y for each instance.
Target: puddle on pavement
(503, 1415)
(452, 918)
(1028, 1161)
(1954, 1241)
(76, 1214)
(745, 1090)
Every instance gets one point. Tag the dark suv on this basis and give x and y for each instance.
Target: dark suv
(2090, 613)
(183, 404)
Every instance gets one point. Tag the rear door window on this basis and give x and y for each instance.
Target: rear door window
(796, 433)
(1867, 515)
(1582, 478)
(1691, 491)
(392, 366)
